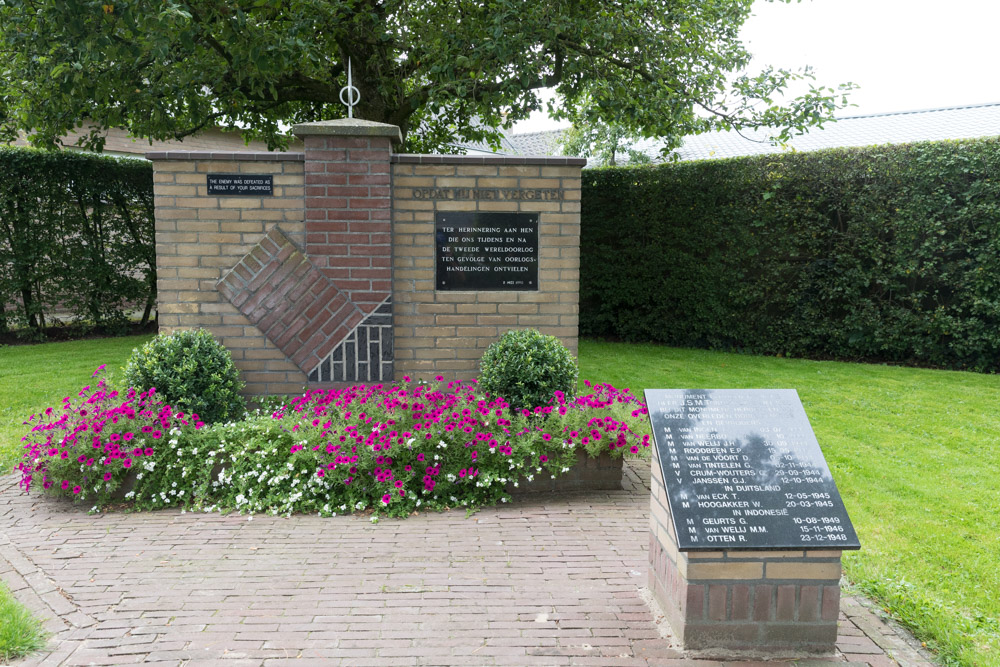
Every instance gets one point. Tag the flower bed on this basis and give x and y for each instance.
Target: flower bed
(394, 449)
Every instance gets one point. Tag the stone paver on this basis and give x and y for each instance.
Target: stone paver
(549, 580)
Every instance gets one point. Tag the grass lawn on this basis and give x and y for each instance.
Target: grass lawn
(20, 634)
(33, 377)
(916, 456)
(915, 453)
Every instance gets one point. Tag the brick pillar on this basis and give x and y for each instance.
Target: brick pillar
(348, 238)
(745, 603)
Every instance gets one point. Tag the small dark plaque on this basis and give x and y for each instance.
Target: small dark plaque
(486, 251)
(743, 470)
(245, 185)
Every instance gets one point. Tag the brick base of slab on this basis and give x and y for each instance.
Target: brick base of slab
(737, 603)
(601, 473)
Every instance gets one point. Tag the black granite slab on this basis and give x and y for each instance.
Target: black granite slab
(241, 185)
(743, 470)
(486, 251)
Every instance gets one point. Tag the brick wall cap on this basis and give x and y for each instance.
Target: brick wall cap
(551, 161)
(349, 127)
(241, 156)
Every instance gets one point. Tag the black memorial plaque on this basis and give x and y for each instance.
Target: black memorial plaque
(245, 185)
(743, 470)
(486, 251)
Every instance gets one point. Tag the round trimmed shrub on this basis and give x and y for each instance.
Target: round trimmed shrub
(191, 371)
(527, 368)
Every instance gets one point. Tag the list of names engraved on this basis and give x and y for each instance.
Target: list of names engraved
(743, 470)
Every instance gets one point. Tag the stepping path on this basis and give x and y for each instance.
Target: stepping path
(550, 580)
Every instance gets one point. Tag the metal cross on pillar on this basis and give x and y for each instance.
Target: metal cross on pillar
(353, 94)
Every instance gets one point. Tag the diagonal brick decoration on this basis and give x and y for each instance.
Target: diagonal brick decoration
(295, 305)
(366, 353)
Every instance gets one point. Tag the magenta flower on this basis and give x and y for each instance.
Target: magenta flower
(386, 498)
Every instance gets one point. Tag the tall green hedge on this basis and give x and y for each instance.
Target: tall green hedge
(882, 253)
(76, 236)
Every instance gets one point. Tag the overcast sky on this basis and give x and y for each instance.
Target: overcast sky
(904, 54)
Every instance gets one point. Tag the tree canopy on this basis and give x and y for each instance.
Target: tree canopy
(442, 71)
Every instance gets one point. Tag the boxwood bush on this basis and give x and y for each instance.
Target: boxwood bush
(190, 371)
(527, 368)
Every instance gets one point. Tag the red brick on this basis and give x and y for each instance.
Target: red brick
(285, 337)
(381, 202)
(717, 602)
(741, 602)
(307, 348)
(328, 249)
(762, 594)
(335, 305)
(379, 250)
(321, 155)
(326, 348)
(350, 142)
(326, 202)
(695, 601)
(327, 226)
(350, 191)
(353, 261)
(831, 603)
(362, 272)
(243, 272)
(346, 167)
(368, 179)
(326, 179)
(809, 603)
(333, 273)
(785, 610)
(314, 142)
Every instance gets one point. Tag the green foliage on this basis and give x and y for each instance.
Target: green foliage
(527, 368)
(440, 70)
(76, 234)
(394, 449)
(607, 143)
(20, 634)
(889, 253)
(191, 371)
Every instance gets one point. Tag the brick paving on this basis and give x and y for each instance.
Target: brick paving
(546, 580)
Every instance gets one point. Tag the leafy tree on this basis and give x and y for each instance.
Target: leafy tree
(607, 143)
(440, 70)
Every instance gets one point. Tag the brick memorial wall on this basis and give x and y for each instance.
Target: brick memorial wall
(447, 330)
(201, 238)
(319, 268)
